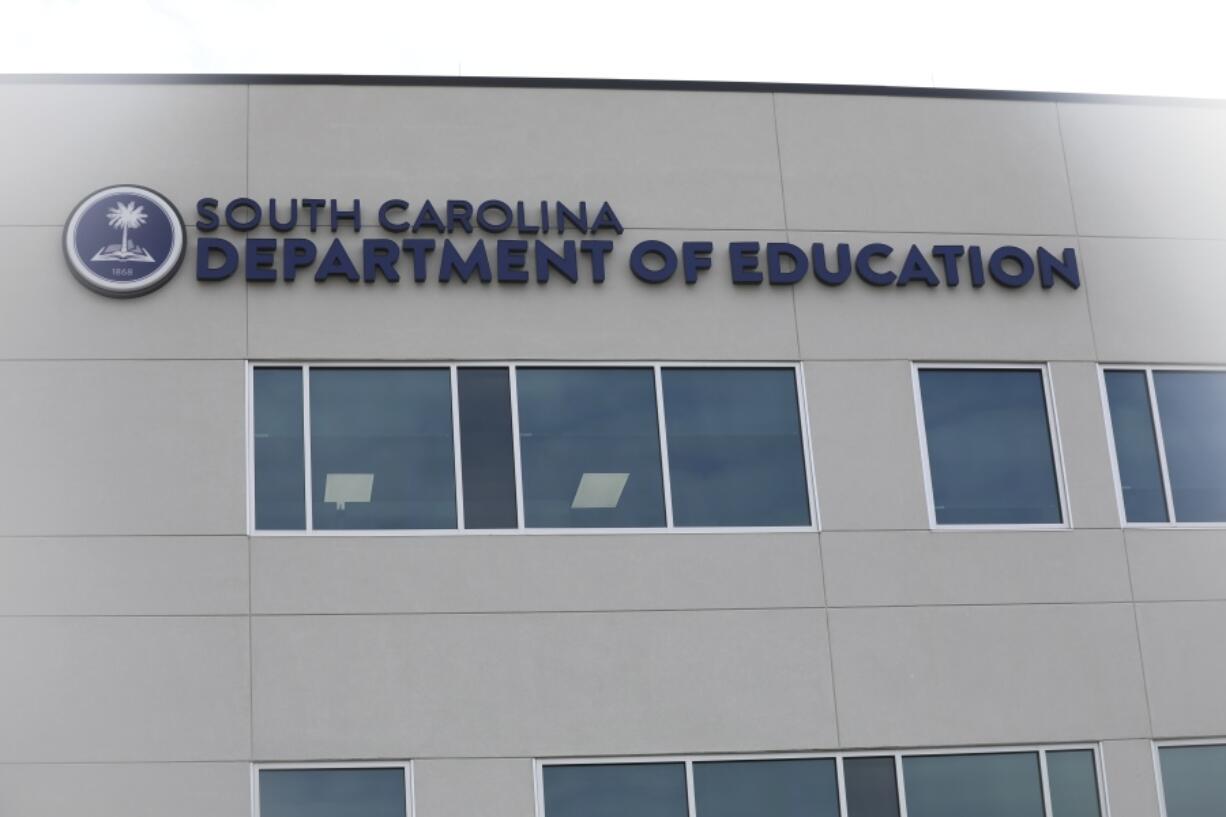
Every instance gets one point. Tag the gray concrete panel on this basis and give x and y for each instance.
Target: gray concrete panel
(866, 453)
(191, 142)
(124, 689)
(534, 573)
(1177, 565)
(47, 313)
(1156, 301)
(145, 575)
(925, 165)
(858, 321)
(1147, 170)
(540, 684)
(1184, 666)
(122, 447)
(1088, 479)
(1132, 787)
(623, 318)
(974, 567)
(126, 790)
(500, 787)
(661, 159)
(936, 676)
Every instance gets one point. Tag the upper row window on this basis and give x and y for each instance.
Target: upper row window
(481, 448)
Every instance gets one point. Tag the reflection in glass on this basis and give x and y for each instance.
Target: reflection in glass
(487, 448)
(616, 790)
(980, 785)
(381, 449)
(332, 793)
(766, 788)
(1192, 408)
(872, 790)
(1073, 783)
(735, 452)
(1193, 780)
(989, 446)
(1136, 447)
(589, 448)
(280, 499)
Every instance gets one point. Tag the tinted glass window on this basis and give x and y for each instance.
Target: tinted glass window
(280, 481)
(1136, 447)
(1073, 783)
(766, 788)
(1192, 408)
(987, 785)
(989, 447)
(381, 449)
(332, 793)
(735, 452)
(1194, 780)
(872, 790)
(590, 448)
(487, 448)
(616, 790)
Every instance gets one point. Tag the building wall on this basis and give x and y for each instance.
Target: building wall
(152, 649)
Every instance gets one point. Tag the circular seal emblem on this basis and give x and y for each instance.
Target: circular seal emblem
(124, 240)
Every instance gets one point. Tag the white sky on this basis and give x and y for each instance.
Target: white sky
(1174, 47)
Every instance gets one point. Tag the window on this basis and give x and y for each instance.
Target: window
(1193, 779)
(1169, 430)
(1013, 783)
(503, 448)
(375, 791)
(989, 445)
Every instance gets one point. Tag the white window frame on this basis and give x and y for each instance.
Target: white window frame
(407, 765)
(1159, 440)
(539, 764)
(656, 367)
(1053, 428)
(1161, 744)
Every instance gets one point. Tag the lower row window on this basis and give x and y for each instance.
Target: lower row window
(377, 791)
(1193, 780)
(980, 784)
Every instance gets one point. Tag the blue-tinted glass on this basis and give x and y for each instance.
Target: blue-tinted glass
(332, 793)
(487, 448)
(766, 788)
(1192, 409)
(1136, 448)
(1073, 783)
(280, 498)
(987, 785)
(735, 453)
(1194, 780)
(381, 451)
(590, 448)
(616, 790)
(989, 447)
(872, 789)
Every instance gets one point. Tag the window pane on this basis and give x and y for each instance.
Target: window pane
(1073, 783)
(989, 446)
(616, 790)
(381, 451)
(1136, 448)
(280, 497)
(332, 793)
(735, 452)
(766, 788)
(1192, 408)
(1194, 780)
(872, 790)
(590, 448)
(987, 785)
(487, 448)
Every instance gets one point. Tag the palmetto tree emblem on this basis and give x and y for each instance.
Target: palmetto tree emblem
(124, 217)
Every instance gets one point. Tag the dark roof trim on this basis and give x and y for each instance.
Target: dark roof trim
(595, 84)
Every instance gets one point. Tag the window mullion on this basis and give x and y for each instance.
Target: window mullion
(902, 786)
(519, 468)
(1166, 474)
(306, 445)
(455, 447)
(1043, 780)
(663, 429)
(691, 801)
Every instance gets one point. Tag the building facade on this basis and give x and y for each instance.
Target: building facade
(846, 452)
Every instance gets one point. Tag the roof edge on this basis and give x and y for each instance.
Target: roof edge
(600, 84)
